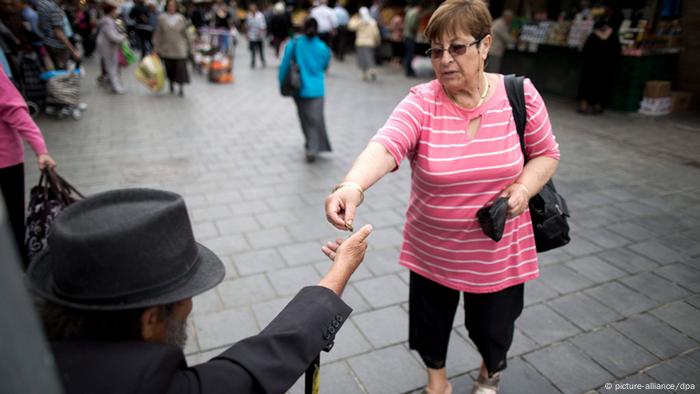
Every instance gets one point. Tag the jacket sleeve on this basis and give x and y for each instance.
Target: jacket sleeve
(15, 115)
(273, 360)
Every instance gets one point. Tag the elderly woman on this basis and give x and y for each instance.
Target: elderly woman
(171, 43)
(459, 135)
(366, 40)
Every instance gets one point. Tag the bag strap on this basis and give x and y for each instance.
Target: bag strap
(516, 97)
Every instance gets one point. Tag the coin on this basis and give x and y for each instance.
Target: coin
(348, 227)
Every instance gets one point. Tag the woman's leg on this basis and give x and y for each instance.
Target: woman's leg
(112, 68)
(432, 309)
(12, 187)
(490, 320)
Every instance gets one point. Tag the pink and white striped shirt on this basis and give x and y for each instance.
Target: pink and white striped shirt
(454, 176)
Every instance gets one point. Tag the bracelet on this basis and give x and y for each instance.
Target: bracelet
(353, 185)
(527, 191)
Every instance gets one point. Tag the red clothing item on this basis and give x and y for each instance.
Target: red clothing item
(15, 125)
(453, 176)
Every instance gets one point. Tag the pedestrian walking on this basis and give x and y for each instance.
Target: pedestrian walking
(341, 34)
(312, 56)
(500, 31)
(396, 39)
(459, 135)
(141, 15)
(410, 31)
(601, 53)
(255, 31)
(52, 25)
(109, 44)
(280, 27)
(15, 126)
(326, 19)
(171, 43)
(367, 39)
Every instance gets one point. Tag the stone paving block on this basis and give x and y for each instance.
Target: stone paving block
(543, 325)
(237, 225)
(224, 197)
(334, 378)
(266, 311)
(267, 238)
(694, 301)
(355, 300)
(349, 342)
(383, 261)
(606, 239)
(289, 281)
(584, 311)
(682, 316)
(656, 251)
(631, 231)
(248, 207)
(568, 368)
(521, 344)
(385, 218)
(563, 279)
(209, 212)
(695, 355)
(383, 327)
(383, 291)
(227, 245)
(276, 218)
(385, 237)
(590, 219)
(258, 261)
(655, 287)
(299, 253)
(620, 298)
(595, 269)
(522, 378)
(683, 275)
(204, 230)
(308, 230)
(553, 256)
(614, 352)
(581, 247)
(537, 291)
(206, 302)
(680, 370)
(654, 335)
(461, 356)
(246, 290)
(627, 260)
(378, 375)
(685, 245)
(224, 328)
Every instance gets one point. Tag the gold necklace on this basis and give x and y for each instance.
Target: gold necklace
(481, 98)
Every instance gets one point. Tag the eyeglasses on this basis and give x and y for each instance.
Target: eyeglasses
(453, 49)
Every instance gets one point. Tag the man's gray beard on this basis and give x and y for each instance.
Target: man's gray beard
(176, 332)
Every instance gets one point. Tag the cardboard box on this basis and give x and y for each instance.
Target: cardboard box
(680, 101)
(657, 89)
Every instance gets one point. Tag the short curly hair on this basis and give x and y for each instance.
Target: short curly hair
(459, 16)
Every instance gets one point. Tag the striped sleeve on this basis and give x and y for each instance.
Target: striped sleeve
(401, 132)
(539, 139)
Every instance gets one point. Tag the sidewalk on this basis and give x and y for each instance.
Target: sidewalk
(620, 304)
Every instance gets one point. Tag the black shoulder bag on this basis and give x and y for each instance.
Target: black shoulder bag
(547, 208)
(291, 84)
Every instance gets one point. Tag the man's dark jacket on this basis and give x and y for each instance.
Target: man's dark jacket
(269, 362)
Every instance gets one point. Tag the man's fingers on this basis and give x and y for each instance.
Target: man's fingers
(363, 233)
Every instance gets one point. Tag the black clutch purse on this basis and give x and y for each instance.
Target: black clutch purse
(492, 218)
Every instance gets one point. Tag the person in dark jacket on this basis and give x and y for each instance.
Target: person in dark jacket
(117, 282)
(601, 53)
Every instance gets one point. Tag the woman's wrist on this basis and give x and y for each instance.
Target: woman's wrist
(350, 185)
(524, 188)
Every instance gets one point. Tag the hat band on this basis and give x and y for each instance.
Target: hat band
(129, 298)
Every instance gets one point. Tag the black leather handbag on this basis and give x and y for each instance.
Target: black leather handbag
(291, 84)
(547, 208)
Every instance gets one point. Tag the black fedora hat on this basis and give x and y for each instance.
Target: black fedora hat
(123, 249)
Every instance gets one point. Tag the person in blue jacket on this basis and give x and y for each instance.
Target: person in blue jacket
(312, 55)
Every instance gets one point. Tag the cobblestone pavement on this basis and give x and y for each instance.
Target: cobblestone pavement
(620, 304)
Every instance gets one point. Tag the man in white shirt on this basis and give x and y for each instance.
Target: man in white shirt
(256, 27)
(326, 19)
(500, 31)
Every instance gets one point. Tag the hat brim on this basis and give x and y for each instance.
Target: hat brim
(207, 274)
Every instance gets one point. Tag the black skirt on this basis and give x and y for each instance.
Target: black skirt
(176, 69)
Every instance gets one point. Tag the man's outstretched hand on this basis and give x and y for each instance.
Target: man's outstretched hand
(346, 256)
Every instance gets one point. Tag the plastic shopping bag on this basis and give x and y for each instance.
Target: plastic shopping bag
(150, 72)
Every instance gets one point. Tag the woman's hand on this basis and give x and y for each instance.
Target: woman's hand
(45, 161)
(341, 205)
(518, 198)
